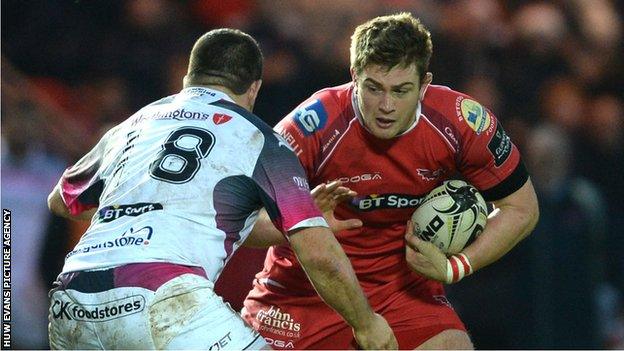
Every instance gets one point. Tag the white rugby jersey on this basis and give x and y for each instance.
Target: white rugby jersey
(182, 181)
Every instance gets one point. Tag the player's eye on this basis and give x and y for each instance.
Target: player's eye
(373, 89)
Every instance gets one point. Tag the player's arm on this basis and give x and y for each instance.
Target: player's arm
(513, 220)
(326, 197)
(491, 162)
(494, 164)
(264, 233)
(331, 274)
(76, 195)
(284, 193)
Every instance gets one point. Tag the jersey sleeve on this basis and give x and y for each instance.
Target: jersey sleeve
(302, 128)
(285, 192)
(488, 158)
(82, 184)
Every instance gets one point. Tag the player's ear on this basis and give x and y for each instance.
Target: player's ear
(425, 84)
(254, 89)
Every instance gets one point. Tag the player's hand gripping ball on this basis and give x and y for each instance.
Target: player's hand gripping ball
(451, 216)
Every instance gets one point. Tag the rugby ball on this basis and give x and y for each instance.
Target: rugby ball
(451, 216)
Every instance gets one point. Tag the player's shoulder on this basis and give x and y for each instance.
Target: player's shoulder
(255, 126)
(334, 95)
(226, 110)
(442, 99)
(442, 103)
(321, 109)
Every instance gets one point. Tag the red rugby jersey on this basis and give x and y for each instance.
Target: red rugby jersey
(453, 137)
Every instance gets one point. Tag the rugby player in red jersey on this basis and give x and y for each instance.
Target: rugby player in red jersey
(391, 137)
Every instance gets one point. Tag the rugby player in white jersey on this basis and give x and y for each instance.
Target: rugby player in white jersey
(171, 193)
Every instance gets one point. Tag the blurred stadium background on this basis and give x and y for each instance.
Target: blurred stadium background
(552, 71)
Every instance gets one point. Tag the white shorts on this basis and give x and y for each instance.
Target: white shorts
(183, 313)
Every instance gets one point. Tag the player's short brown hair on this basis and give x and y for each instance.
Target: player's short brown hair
(226, 57)
(389, 41)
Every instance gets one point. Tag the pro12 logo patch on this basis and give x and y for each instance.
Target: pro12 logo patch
(474, 114)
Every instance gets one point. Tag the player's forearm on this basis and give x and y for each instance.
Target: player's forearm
(504, 231)
(264, 234)
(337, 285)
(331, 274)
(513, 221)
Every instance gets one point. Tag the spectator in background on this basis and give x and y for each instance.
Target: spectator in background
(595, 53)
(568, 250)
(600, 154)
(532, 55)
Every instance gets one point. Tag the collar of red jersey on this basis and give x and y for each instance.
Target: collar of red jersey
(206, 94)
(358, 113)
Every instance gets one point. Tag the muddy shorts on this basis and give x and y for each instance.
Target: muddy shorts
(99, 310)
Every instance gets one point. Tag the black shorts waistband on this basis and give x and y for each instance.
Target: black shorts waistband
(145, 275)
(88, 281)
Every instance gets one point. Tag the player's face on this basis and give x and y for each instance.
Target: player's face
(388, 99)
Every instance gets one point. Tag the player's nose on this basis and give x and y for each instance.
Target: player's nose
(386, 105)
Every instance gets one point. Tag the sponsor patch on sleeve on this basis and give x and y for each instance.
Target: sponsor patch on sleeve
(474, 114)
(500, 146)
(311, 117)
